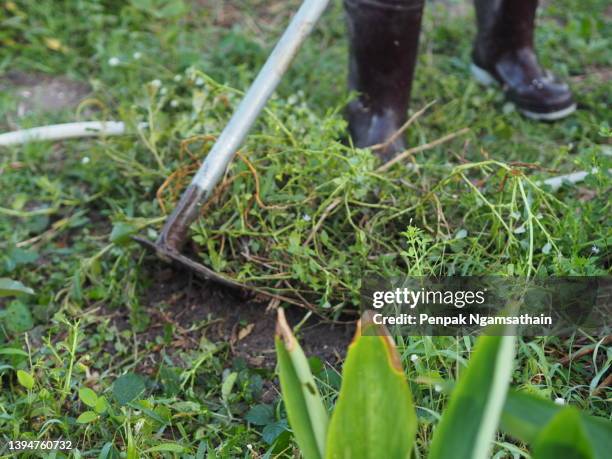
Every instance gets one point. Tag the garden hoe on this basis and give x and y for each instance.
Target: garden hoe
(174, 233)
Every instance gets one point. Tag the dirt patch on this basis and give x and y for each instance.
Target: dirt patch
(177, 298)
(43, 93)
(254, 14)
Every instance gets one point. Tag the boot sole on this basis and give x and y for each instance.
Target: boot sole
(485, 78)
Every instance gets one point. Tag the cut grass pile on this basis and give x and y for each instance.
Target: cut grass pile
(304, 216)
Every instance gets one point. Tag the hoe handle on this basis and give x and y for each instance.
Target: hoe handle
(174, 233)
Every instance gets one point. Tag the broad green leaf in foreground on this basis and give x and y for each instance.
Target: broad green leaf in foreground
(564, 437)
(11, 287)
(470, 421)
(374, 416)
(305, 410)
(525, 415)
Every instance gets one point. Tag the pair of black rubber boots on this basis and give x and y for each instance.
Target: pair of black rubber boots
(384, 36)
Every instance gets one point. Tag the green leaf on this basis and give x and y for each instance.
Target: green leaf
(86, 417)
(316, 365)
(171, 9)
(101, 405)
(108, 451)
(13, 351)
(468, 425)
(143, 5)
(525, 415)
(88, 396)
(260, 415)
(564, 437)
(169, 447)
(305, 410)
(11, 287)
(228, 385)
(25, 379)
(127, 388)
(18, 318)
(17, 257)
(374, 416)
(272, 431)
(131, 451)
(121, 233)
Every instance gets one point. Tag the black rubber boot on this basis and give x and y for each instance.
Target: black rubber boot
(503, 53)
(384, 37)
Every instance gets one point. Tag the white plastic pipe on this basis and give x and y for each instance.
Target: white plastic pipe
(576, 177)
(556, 182)
(63, 131)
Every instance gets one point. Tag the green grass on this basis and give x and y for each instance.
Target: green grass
(201, 397)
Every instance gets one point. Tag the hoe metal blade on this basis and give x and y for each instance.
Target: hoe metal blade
(174, 233)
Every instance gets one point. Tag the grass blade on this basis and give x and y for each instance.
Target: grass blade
(469, 424)
(305, 410)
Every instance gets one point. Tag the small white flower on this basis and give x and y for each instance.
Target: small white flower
(178, 78)
(85, 160)
(163, 91)
(461, 234)
(199, 81)
(306, 217)
(156, 83)
(414, 357)
(137, 55)
(595, 249)
(139, 425)
(114, 61)
(508, 108)
(438, 388)
(174, 103)
(559, 401)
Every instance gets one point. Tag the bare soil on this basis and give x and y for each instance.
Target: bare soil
(43, 93)
(247, 325)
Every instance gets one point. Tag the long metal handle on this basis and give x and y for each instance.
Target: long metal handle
(258, 94)
(226, 146)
